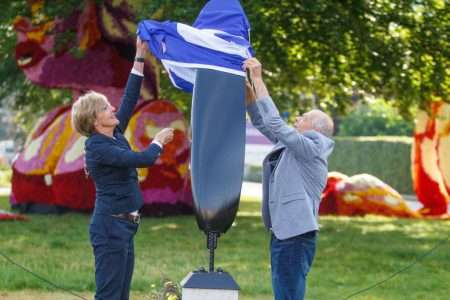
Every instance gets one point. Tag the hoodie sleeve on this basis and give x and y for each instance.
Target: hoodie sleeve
(257, 122)
(304, 146)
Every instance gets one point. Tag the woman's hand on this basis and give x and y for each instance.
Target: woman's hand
(141, 47)
(165, 136)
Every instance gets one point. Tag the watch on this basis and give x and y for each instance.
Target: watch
(139, 59)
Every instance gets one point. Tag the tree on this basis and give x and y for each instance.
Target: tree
(395, 49)
(30, 101)
(374, 118)
(398, 49)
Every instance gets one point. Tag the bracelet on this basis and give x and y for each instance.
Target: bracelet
(139, 59)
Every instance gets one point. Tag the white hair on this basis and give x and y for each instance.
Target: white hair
(322, 123)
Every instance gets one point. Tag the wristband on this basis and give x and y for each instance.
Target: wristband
(139, 59)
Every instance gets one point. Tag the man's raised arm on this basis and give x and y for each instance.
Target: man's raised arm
(271, 120)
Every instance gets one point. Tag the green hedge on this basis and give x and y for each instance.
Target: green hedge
(388, 158)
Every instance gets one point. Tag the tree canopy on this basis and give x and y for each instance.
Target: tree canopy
(335, 49)
(329, 51)
(374, 118)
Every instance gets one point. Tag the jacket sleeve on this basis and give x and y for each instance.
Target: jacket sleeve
(257, 122)
(129, 100)
(112, 155)
(301, 145)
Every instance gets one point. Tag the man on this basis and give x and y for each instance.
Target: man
(294, 176)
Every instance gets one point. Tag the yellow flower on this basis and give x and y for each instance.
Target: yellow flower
(172, 297)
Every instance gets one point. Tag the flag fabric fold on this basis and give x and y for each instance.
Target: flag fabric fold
(218, 40)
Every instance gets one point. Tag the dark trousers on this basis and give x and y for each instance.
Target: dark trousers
(113, 245)
(291, 260)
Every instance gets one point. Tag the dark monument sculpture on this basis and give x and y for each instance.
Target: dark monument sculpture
(207, 59)
(218, 148)
(217, 165)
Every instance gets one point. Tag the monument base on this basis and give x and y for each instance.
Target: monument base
(201, 285)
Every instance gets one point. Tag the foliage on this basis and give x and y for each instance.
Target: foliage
(170, 291)
(375, 118)
(385, 157)
(3, 127)
(331, 50)
(326, 50)
(352, 253)
(30, 101)
(5, 176)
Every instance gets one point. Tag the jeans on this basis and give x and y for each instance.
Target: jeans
(291, 260)
(112, 240)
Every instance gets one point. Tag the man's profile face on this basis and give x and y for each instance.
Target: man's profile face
(304, 122)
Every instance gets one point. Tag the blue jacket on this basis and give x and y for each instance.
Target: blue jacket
(292, 190)
(112, 164)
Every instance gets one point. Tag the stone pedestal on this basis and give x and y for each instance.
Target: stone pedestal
(209, 286)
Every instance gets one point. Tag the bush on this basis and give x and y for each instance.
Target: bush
(388, 158)
(375, 119)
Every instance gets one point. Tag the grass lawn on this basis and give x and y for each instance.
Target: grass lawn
(353, 253)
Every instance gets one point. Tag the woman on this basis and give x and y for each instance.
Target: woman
(112, 165)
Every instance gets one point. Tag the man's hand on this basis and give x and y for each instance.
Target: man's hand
(254, 68)
(249, 93)
(165, 136)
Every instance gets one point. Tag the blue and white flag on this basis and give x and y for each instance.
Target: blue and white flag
(218, 40)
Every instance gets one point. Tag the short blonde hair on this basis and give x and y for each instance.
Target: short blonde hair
(84, 112)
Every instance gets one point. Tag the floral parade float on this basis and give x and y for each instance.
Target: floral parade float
(8, 216)
(430, 165)
(49, 172)
(431, 159)
(362, 194)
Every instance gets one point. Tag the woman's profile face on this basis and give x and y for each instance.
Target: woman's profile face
(105, 115)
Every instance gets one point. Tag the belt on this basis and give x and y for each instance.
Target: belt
(136, 219)
(307, 235)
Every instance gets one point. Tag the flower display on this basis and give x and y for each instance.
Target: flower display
(362, 194)
(97, 60)
(166, 184)
(431, 159)
(34, 167)
(93, 49)
(8, 216)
